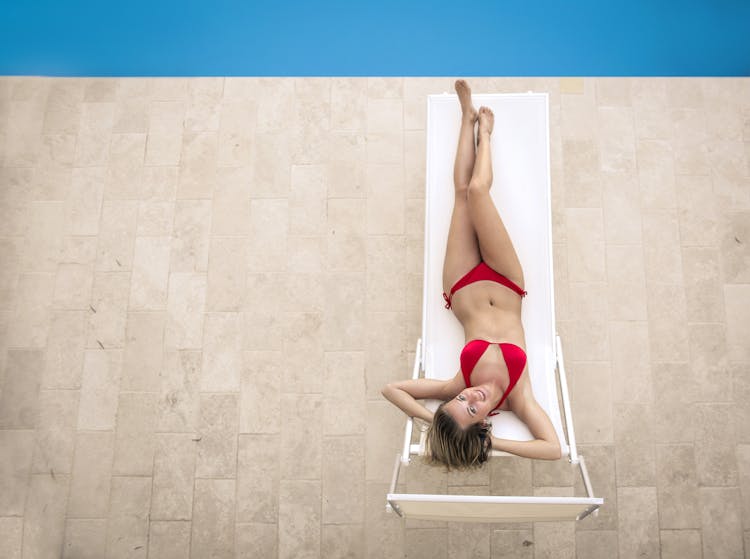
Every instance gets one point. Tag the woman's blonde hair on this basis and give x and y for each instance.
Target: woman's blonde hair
(454, 447)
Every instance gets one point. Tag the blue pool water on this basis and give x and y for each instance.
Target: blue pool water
(380, 38)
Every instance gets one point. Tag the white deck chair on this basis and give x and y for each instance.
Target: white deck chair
(521, 192)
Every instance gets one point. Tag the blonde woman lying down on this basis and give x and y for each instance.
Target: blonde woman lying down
(483, 285)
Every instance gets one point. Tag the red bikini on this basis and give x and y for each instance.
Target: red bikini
(478, 273)
(515, 360)
(515, 356)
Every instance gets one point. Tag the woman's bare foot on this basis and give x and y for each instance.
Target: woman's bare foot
(486, 120)
(464, 96)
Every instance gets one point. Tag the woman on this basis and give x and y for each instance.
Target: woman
(483, 285)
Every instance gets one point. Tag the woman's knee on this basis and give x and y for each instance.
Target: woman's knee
(461, 189)
(477, 187)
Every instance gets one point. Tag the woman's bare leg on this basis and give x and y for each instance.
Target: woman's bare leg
(495, 244)
(463, 167)
(462, 250)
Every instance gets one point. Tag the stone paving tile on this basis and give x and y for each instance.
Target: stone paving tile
(207, 281)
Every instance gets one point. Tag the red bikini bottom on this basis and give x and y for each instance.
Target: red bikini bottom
(478, 273)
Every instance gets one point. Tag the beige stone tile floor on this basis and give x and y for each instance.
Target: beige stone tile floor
(205, 282)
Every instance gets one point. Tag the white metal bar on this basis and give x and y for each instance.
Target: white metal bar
(474, 508)
(396, 468)
(588, 511)
(407, 440)
(585, 475)
(587, 483)
(425, 291)
(566, 403)
(500, 499)
(394, 481)
(405, 454)
(417, 360)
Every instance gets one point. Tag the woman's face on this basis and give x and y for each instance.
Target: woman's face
(471, 405)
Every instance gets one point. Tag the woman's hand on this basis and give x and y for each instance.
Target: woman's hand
(421, 424)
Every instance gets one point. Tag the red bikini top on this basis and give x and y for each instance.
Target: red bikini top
(515, 360)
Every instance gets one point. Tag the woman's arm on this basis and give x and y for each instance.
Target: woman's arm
(406, 403)
(537, 448)
(546, 444)
(405, 393)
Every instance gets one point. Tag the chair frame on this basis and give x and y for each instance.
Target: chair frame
(527, 506)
